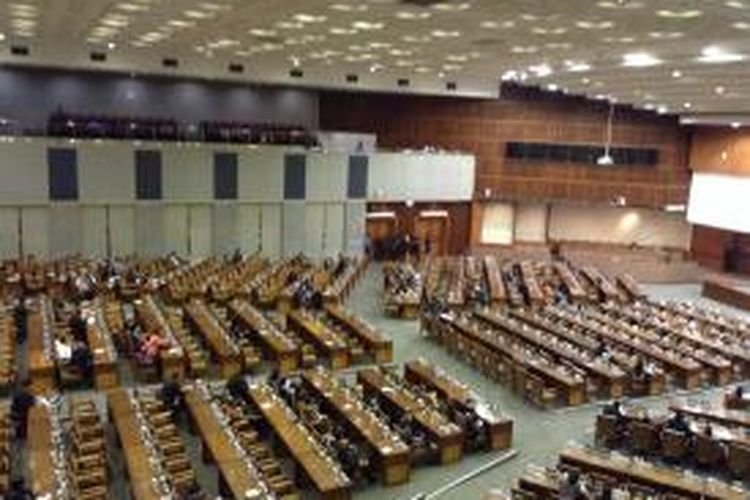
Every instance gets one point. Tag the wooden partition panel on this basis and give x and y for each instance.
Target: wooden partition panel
(484, 126)
(448, 235)
(721, 150)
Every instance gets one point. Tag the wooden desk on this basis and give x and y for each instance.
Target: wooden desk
(137, 459)
(612, 377)
(322, 337)
(528, 275)
(447, 435)
(41, 365)
(237, 476)
(631, 287)
(575, 289)
(499, 429)
(281, 348)
(99, 339)
(495, 283)
(224, 349)
(730, 418)
(375, 342)
(393, 455)
(39, 444)
(726, 294)
(601, 283)
(573, 388)
(308, 454)
(648, 475)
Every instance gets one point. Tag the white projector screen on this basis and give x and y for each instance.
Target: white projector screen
(721, 201)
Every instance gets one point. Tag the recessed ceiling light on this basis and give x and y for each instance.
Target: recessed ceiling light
(309, 18)
(452, 7)
(714, 54)
(736, 125)
(595, 25)
(687, 105)
(541, 70)
(679, 14)
(640, 60)
(262, 33)
(552, 87)
(412, 16)
(577, 66)
(367, 26)
(720, 89)
(662, 110)
(446, 33)
(346, 7)
(677, 74)
(111, 45)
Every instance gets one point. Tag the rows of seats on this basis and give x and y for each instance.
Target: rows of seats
(88, 464)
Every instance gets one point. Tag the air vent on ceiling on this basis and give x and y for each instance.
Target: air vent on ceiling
(19, 50)
(403, 82)
(451, 86)
(170, 62)
(236, 68)
(98, 56)
(352, 78)
(296, 73)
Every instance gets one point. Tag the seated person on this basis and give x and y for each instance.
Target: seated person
(151, 347)
(237, 387)
(678, 423)
(21, 402)
(171, 395)
(81, 357)
(63, 350)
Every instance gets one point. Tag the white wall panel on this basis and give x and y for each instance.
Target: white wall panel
(150, 238)
(175, 229)
(398, 176)
(65, 230)
(9, 235)
(260, 174)
(225, 228)
(94, 231)
(249, 232)
(354, 226)
(622, 226)
(106, 172)
(201, 230)
(271, 229)
(294, 228)
(531, 223)
(35, 231)
(314, 221)
(122, 230)
(497, 224)
(334, 229)
(23, 172)
(187, 173)
(327, 176)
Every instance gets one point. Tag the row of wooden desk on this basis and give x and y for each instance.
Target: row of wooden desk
(726, 294)
(223, 347)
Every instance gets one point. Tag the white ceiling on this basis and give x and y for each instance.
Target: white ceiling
(681, 56)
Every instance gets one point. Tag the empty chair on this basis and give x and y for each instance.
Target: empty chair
(606, 431)
(642, 438)
(675, 445)
(708, 451)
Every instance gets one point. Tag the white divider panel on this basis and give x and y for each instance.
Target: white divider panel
(106, 172)
(187, 172)
(497, 224)
(294, 228)
(429, 177)
(334, 229)
(248, 227)
(314, 220)
(271, 229)
(94, 231)
(23, 171)
(175, 229)
(122, 230)
(65, 230)
(35, 228)
(260, 174)
(150, 237)
(9, 235)
(225, 228)
(354, 227)
(201, 230)
(327, 176)
(531, 223)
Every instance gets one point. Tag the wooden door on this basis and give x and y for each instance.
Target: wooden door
(434, 229)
